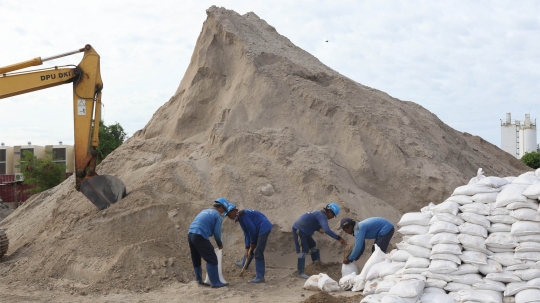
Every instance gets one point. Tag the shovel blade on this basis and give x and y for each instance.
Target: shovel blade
(103, 190)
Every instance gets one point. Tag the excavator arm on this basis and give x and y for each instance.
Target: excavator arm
(102, 190)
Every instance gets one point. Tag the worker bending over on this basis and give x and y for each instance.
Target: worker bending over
(376, 228)
(256, 228)
(205, 225)
(303, 230)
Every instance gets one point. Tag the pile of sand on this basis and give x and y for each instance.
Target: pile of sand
(268, 126)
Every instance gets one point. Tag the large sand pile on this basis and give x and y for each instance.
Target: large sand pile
(268, 126)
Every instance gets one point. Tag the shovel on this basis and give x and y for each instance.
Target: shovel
(249, 256)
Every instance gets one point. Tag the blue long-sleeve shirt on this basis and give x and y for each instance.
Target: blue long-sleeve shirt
(312, 221)
(207, 224)
(371, 228)
(253, 223)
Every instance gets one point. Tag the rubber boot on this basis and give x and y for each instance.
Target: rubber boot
(241, 263)
(259, 269)
(213, 275)
(301, 266)
(198, 275)
(315, 255)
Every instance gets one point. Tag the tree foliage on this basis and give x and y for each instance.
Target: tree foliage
(531, 159)
(41, 174)
(110, 138)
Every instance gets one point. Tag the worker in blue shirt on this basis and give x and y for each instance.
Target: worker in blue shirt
(376, 228)
(205, 225)
(256, 228)
(303, 230)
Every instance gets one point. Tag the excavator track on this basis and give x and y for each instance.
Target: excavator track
(4, 243)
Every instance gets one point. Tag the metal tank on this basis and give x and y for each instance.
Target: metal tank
(527, 136)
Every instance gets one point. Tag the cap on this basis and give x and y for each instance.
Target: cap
(345, 222)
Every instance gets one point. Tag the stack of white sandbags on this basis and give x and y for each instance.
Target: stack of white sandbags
(482, 244)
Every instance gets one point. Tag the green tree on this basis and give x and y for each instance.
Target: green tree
(110, 138)
(41, 174)
(531, 159)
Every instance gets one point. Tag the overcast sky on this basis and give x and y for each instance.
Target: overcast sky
(468, 62)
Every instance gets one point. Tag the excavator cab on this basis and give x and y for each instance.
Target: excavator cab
(101, 190)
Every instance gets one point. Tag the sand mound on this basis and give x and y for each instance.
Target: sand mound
(323, 297)
(265, 124)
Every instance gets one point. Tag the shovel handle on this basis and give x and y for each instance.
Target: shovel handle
(246, 263)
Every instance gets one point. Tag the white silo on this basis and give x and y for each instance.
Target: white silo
(509, 136)
(527, 136)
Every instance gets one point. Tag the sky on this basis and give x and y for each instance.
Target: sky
(468, 62)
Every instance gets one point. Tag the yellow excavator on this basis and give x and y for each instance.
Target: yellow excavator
(101, 190)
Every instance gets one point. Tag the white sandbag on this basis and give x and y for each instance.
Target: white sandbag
(373, 298)
(475, 219)
(427, 209)
(509, 300)
(413, 270)
(413, 230)
(431, 282)
(436, 276)
(443, 227)
(484, 296)
(327, 284)
(501, 240)
(486, 251)
(390, 268)
(419, 251)
(473, 189)
(450, 207)
(373, 271)
(473, 257)
(488, 284)
(385, 286)
(400, 256)
(443, 238)
(532, 204)
(446, 249)
(417, 262)
(415, 218)
(528, 296)
(413, 277)
(528, 238)
(397, 299)
(525, 214)
(347, 269)
(500, 227)
(532, 192)
(312, 283)
(448, 257)
(473, 229)
(442, 266)
(435, 297)
(515, 287)
(528, 246)
(505, 219)
(523, 228)
(453, 286)
(347, 281)
(472, 241)
(527, 274)
(464, 269)
(433, 290)
(402, 245)
(505, 259)
(219, 255)
(524, 265)
(479, 176)
(526, 179)
(477, 208)
(485, 197)
(408, 288)
(371, 286)
(492, 266)
(420, 240)
(493, 211)
(505, 276)
(493, 181)
(460, 199)
(376, 257)
(529, 255)
(468, 279)
(446, 217)
(511, 193)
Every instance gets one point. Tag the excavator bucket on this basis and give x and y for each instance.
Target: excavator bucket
(103, 190)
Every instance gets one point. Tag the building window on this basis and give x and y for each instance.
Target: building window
(2, 168)
(59, 155)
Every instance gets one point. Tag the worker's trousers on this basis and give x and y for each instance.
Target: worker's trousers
(200, 247)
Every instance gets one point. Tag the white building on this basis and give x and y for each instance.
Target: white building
(518, 137)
